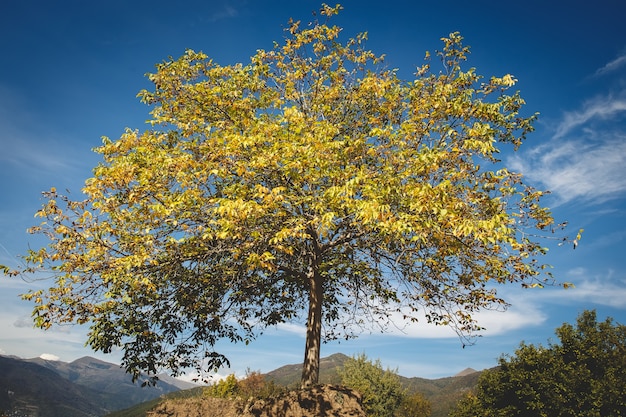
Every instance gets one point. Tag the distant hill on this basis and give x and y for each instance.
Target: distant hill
(443, 392)
(30, 389)
(109, 377)
(85, 387)
(466, 371)
(289, 375)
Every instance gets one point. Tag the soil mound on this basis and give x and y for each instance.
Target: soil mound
(319, 401)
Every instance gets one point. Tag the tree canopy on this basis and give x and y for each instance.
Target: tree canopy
(582, 375)
(311, 183)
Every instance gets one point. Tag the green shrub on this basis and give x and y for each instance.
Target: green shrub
(224, 388)
(253, 385)
(380, 389)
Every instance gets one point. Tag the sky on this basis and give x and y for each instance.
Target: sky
(70, 72)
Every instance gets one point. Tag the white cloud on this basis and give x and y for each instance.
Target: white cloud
(602, 108)
(49, 357)
(23, 322)
(607, 240)
(293, 328)
(590, 288)
(527, 306)
(520, 314)
(196, 378)
(578, 169)
(600, 293)
(19, 337)
(585, 158)
(611, 66)
(603, 290)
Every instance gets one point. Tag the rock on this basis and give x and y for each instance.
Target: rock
(319, 401)
(325, 400)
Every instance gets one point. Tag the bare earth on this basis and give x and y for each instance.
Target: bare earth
(325, 400)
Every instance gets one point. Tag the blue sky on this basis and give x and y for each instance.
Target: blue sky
(71, 70)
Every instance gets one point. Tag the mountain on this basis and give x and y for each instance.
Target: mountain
(443, 393)
(85, 387)
(289, 375)
(110, 378)
(28, 389)
(466, 371)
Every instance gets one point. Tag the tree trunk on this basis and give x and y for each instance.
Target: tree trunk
(311, 367)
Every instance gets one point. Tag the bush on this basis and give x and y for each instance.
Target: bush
(224, 388)
(582, 376)
(380, 389)
(253, 385)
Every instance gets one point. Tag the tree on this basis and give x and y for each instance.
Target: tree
(583, 375)
(311, 181)
(381, 390)
(414, 405)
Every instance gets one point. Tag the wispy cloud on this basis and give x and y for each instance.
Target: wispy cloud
(601, 108)
(584, 159)
(27, 151)
(225, 10)
(592, 288)
(612, 66)
(578, 170)
(527, 306)
(20, 337)
(34, 157)
(605, 288)
(494, 323)
(293, 328)
(607, 241)
(600, 293)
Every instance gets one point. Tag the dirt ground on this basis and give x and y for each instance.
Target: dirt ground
(321, 401)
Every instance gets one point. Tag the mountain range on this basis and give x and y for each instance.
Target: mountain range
(84, 387)
(89, 387)
(443, 393)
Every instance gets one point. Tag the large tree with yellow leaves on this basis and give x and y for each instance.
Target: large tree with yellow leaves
(310, 181)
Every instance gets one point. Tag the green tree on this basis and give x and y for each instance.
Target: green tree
(381, 390)
(310, 183)
(582, 376)
(414, 405)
